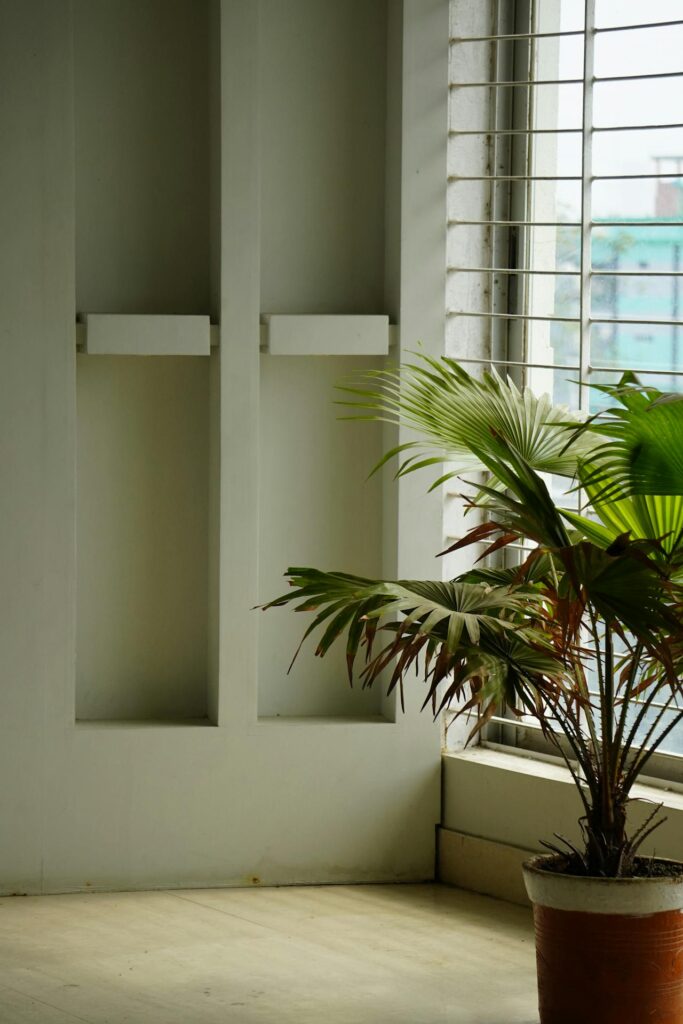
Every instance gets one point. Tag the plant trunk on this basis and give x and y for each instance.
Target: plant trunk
(607, 842)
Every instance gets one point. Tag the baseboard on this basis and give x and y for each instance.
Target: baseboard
(493, 869)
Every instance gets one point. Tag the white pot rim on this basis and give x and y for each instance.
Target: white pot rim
(628, 897)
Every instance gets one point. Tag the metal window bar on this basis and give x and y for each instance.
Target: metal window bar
(519, 317)
(525, 83)
(560, 177)
(503, 83)
(635, 224)
(455, 222)
(553, 318)
(637, 273)
(502, 38)
(513, 37)
(525, 723)
(568, 368)
(565, 131)
(479, 361)
(640, 370)
(518, 270)
(647, 321)
(637, 78)
(513, 131)
(596, 272)
(513, 177)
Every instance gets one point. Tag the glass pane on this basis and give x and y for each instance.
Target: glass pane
(555, 343)
(572, 16)
(673, 744)
(555, 247)
(558, 57)
(650, 101)
(550, 295)
(642, 197)
(635, 12)
(555, 200)
(558, 106)
(556, 155)
(636, 346)
(637, 152)
(661, 381)
(648, 51)
(636, 297)
(596, 399)
(638, 247)
(560, 385)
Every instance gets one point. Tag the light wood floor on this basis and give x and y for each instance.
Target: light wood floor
(417, 954)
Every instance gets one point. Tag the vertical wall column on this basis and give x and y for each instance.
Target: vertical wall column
(239, 348)
(423, 247)
(37, 365)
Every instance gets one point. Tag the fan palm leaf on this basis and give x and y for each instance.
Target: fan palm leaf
(455, 617)
(640, 451)
(467, 421)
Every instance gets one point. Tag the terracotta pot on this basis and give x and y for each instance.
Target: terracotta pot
(608, 950)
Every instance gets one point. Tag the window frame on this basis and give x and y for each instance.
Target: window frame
(505, 335)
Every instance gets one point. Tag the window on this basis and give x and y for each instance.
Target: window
(565, 193)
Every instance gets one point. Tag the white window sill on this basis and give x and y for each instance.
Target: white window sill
(517, 799)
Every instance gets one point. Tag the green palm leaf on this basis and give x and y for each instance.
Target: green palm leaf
(466, 421)
(453, 615)
(643, 450)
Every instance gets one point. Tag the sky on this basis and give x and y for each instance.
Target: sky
(638, 51)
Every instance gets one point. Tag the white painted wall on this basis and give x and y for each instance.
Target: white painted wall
(143, 804)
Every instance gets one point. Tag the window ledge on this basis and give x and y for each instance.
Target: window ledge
(522, 761)
(667, 792)
(515, 799)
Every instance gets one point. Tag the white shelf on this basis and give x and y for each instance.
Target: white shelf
(119, 334)
(313, 335)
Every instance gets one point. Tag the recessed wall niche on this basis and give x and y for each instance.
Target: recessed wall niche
(142, 131)
(142, 538)
(317, 508)
(323, 113)
(145, 100)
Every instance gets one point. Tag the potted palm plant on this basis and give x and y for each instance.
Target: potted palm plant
(582, 631)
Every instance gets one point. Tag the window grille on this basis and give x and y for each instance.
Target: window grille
(565, 198)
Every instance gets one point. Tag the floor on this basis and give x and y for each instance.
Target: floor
(370, 954)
